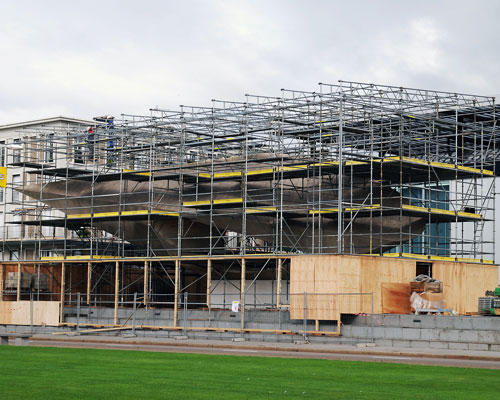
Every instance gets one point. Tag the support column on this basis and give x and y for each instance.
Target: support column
(117, 290)
(89, 279)
(146, 267)
(61, 308)
(209, 280)
(176, 291)
(340, 183)
(18, 297)
(278, 285)
(242, 294)
(1, 282)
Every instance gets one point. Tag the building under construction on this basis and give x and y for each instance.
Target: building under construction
(275, 203)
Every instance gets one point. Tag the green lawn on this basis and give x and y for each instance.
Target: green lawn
(62, 373)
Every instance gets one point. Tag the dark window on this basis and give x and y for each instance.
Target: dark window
(424, 268)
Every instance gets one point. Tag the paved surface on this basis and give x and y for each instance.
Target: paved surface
(461, 358)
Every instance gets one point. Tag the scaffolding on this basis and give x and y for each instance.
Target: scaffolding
(351, 168)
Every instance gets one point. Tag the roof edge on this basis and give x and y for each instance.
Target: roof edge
(48, 120)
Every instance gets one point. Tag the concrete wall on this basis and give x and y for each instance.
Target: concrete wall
(427, 331)
(409, 331)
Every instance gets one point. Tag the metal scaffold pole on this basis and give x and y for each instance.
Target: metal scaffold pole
(117, 291)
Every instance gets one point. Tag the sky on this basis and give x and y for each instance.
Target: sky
(87, 58)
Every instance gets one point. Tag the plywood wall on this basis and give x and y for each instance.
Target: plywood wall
(376, 271)
(19, 313)
(463, 283)
(343, 274)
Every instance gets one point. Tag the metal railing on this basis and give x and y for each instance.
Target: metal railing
(307, 315)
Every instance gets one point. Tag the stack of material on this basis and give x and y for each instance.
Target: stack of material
(424, 283)
(427, 302)
(427, 294)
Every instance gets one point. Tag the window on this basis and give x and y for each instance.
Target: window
(16, 152)
(16, 181)
(14, 255)
(49, 149)
(78, 154)
(423, 268)
(2, 153)
(47, 253)
(1, 195)
(15, 229)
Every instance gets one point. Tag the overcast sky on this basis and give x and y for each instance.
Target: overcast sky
(87, 58)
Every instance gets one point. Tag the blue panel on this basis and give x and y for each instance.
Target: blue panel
(435, 240)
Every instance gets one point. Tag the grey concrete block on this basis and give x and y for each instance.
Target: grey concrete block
(479, 346)
(444, 322)
(492, 337)
(379, 333)
(449, 335)
(462, 323)
(384, 342)
(429, 334)
(401, 343)
(420, 344)
(468, 336)
(485, 323)
(21, 341)
(417, 321)
(495, 347)
(391, 320)
(438, 345)
(346, 330)
(458, 346)
(362, 320)
(394, 333)
(426, 321)
(360, 331)
(411, 333)
(406, 321)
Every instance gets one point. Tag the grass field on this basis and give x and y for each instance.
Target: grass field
(63, 373)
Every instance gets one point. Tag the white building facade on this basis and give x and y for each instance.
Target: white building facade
(22, 242)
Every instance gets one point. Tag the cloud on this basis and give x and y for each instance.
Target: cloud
(86, 59)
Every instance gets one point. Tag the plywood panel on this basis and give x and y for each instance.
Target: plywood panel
(378, 270)
(18, 313)
(319, 277)
(323, 305)
(347, 277)
(396, 298)
(479, 278)
(464, 283)
(302, 278)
